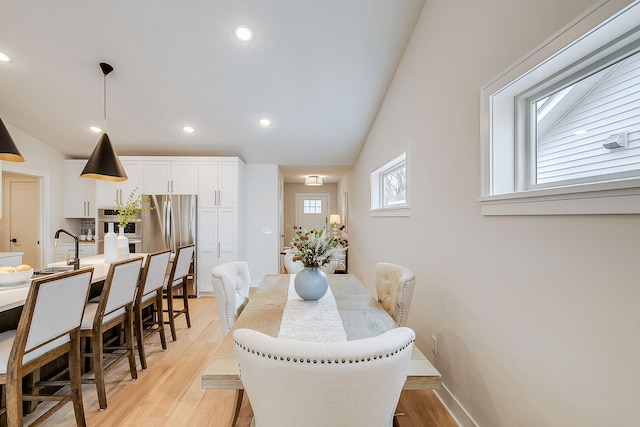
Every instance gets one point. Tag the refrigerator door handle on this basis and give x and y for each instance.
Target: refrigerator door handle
(167, 224)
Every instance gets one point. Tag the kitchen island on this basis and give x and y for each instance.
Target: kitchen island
(12, 297)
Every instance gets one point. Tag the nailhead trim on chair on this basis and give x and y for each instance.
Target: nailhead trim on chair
(322, 361)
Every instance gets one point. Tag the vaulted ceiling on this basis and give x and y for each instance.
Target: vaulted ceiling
(318, 69)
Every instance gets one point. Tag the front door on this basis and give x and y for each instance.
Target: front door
(312, 210)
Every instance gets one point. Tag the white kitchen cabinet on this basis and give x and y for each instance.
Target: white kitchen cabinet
(63, 250)
(218, 183)
(220, 187)
(217, 242)
(108, 193)
(79, 192)
(171, 176)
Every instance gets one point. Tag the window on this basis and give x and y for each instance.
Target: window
(389, 188)
(561, 129)
(312, 206)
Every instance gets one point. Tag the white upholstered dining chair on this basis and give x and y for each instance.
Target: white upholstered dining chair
(394, 286)
(49, 328)
(318, 384)
(231, 286)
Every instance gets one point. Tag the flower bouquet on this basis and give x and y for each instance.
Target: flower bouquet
(313, 248)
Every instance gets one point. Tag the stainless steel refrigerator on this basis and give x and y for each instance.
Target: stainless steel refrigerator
(170, 223)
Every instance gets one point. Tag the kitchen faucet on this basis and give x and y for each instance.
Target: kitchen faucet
(76, 260)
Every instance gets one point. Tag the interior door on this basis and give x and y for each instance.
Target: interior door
(311, 210)
(23, 228)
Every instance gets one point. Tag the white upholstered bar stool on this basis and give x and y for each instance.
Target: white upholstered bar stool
(115, 308)
(394, 286)
(48, 329)
(176, 287)
(317, 384)
(149, 297)
(231, 286)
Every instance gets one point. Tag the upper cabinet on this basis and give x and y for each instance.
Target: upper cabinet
(80, 192)
(218, 183)
(110, 193)
(171, 176)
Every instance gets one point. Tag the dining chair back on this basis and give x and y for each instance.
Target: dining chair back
(115, 307)
(148, 304)
(394, 286)
(176, 287)
(231, 286)
(290, 265)
(317, 384)
(48, 329)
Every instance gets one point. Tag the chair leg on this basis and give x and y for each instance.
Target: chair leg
(238, 404)
(14, 399)
(172, 322)
(129, 337)
(75, 374)
(98, 368)
(185, 300)
(140, 338)
(160, 322)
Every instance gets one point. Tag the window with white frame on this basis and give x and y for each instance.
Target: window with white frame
(561, 129)
(389, 187)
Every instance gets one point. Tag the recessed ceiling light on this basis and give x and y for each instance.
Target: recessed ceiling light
(265, 122)
(95, 129)
(188, 129)
(243, 33)
(580, 132)
(4, 58)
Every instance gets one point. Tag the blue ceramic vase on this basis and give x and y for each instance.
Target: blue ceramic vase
(311, 284)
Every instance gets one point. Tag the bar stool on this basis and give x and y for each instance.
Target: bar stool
(178, 282)
(115, 308)
(48, 328)
(150, 296)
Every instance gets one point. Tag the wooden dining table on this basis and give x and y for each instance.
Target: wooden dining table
(360, 313)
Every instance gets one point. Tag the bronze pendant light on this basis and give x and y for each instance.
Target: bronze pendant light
(8, 149)
(104, 163)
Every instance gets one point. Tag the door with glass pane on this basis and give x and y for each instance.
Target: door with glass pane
(311, 210)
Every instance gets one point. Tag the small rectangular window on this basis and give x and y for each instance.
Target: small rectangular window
(389, 185)
(560, 129)
(312, 206)
(588, 130)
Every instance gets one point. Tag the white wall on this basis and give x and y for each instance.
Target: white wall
(48, 163)
(537, 317)
(263, 243)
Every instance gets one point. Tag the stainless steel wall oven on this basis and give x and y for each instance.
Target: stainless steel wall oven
(133, 230)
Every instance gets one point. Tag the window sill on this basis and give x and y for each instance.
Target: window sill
(620, 197)
(380, 212)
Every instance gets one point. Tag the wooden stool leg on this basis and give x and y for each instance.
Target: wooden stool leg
(98, 368)
(185, 299)
(172, 322)
(128, 336)
(75, 374)
(140, 339)
(163, 337)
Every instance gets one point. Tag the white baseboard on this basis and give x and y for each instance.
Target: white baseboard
(457, 411)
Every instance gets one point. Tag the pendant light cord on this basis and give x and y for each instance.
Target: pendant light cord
(105, 103)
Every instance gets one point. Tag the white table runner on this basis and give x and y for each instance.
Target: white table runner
(311, 320)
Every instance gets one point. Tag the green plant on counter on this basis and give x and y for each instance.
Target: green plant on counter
(129, 211)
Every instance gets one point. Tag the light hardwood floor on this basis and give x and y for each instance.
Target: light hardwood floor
(168, 393)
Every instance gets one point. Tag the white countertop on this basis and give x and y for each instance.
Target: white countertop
(100, 268)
